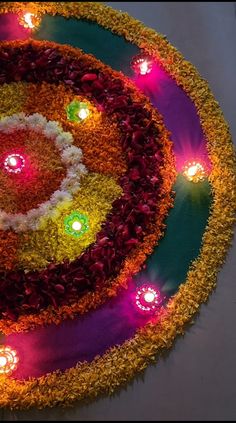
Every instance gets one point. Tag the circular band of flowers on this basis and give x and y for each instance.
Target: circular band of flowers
(136, 220)
(70, 156)
(118, 365)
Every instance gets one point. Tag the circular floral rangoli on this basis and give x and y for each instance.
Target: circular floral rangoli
(117, 183)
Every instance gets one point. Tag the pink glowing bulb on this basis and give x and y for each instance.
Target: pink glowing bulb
(147, 298)
(14, 163)
(142, 64)
(8, 359)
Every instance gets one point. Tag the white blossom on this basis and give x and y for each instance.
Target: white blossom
(71, 155)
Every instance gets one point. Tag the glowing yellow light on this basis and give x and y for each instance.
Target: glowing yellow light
(3, 361)
(76, 226)
(29, 20)
(8, 359)
(149, 297)
(83, 113)
(194, 172)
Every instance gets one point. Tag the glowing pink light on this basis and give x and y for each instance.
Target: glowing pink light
(8, 359)
(14, 163)
(147, 298)
(142, 64)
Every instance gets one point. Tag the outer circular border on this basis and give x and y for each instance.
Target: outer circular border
(117, 366)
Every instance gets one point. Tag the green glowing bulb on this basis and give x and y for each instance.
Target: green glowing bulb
(77, 111)
(76, 224)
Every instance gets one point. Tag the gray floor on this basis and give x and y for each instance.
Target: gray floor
(197, 381)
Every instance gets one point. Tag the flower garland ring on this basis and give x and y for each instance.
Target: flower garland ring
(70, 156)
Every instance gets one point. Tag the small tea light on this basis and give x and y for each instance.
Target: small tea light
(76, 224)
(142, 64)
(77, 111)
(30, 20)
(3, 362)
(147, 298)
(8, 359)
(14, 163)
(194, 172)
(83, 113)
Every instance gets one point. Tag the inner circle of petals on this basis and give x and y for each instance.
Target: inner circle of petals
(70, 155)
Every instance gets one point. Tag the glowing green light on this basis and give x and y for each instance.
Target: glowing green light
(76, 224)
(77, 111)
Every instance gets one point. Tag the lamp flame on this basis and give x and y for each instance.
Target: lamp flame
(8, 359)
(194, 171)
